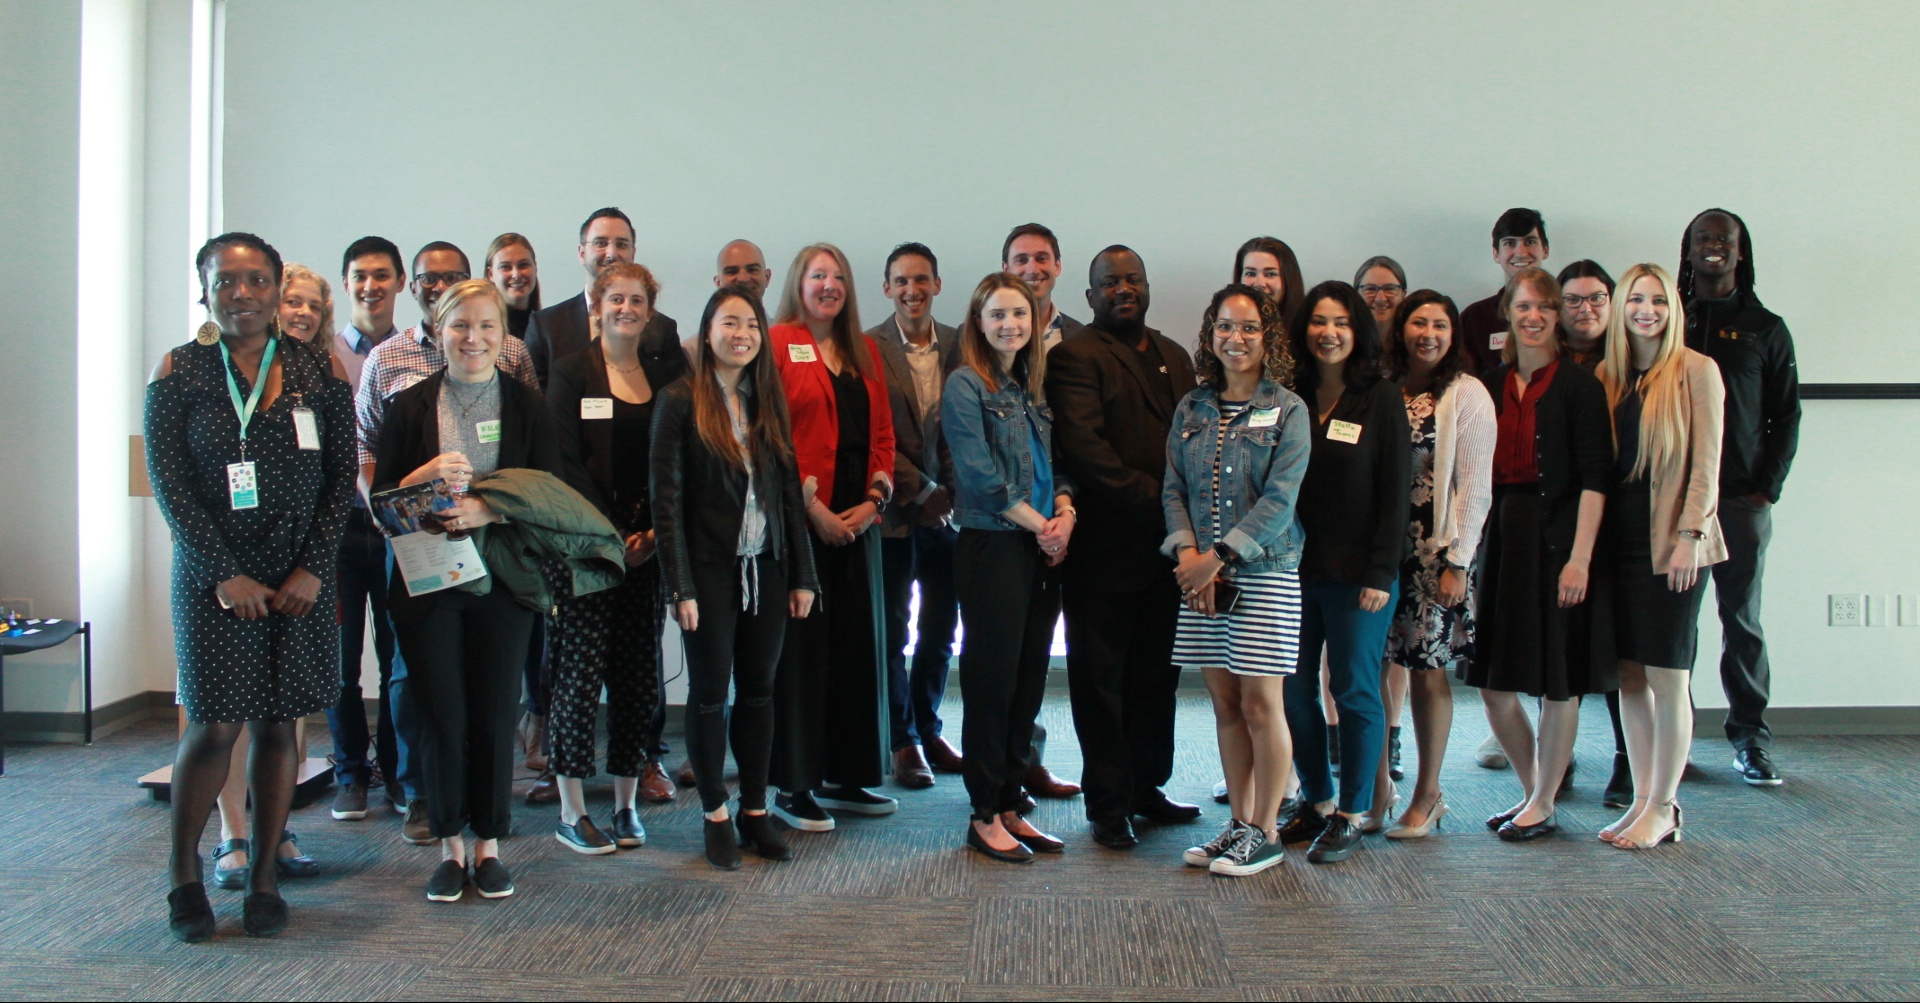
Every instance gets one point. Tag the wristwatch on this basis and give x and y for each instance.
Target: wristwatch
(1225, 554)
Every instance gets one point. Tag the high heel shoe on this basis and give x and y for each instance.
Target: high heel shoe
(1609, 834)
(189, 914)
(1375, 823)
(1514, 832)
(1671, 835)
(1020, 854)
(263, 914)
(1401, 830)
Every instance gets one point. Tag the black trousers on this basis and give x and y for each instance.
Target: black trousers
(1744, 671)
(829, 695)
(741, 646)
(612, 639)
(1122, 681)
(465, 659)
(915, 691)
(1009, 601)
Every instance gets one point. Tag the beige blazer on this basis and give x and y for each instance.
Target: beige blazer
(1686, 489)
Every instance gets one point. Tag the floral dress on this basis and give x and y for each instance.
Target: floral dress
(1425, 634)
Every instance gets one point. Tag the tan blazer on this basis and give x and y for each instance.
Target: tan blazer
(1686, 489)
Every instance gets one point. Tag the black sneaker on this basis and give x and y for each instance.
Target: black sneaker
(800, 811)
(1336, 842)
(584, 837)
(858, 800)
(1205, 853)
(1619, 792)
(449, 880)
(1252, 853)
(627, 830)
(1756, 768)
(1302, 825)
(491, 879)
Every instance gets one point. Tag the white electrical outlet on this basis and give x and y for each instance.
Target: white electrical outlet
(1876, 610)
(1909, 610)
(1844, 609)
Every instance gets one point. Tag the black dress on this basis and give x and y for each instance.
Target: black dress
(1653, 624)
(278, 667)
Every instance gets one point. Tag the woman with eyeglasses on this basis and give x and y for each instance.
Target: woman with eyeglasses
(1586, 294)
(1383, 284)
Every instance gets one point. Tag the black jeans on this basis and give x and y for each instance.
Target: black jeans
(363, 582)
(924, 556)
(1008, 602)
(1122, 682)
(1744, 671)
(742, 646)
(466, 658)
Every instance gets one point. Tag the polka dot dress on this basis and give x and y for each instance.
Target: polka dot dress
(282, 666)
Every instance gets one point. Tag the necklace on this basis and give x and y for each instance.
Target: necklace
(463, 402)
(618, 368)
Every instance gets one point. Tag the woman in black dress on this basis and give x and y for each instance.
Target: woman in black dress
(250, 449)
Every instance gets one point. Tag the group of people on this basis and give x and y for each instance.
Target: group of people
(1332, 498)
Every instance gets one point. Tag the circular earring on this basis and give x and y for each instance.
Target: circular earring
(208, 334)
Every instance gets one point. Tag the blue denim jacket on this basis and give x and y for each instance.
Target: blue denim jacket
(991, 450)
(1261, 467)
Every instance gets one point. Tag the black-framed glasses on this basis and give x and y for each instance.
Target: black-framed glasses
(1372, 290)
(1596, 301)
(441, 278)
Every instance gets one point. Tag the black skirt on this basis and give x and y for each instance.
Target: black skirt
(1527, 642)
(1653, 624)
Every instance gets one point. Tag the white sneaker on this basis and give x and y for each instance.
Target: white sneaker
(1220, 792)
(1491, 755)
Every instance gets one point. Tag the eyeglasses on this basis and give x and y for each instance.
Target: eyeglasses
(1372, 290)
(1229, 330)
(441, 278)
(1597, 300)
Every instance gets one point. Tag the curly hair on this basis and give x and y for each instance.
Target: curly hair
(1276, 359)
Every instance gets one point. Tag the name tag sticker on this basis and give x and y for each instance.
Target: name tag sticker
(243, 485)
(802, 353)
(1497, 340)
(1343, 431)
(1263, 417)
(592, 408)
(487, 431)
(306, 428)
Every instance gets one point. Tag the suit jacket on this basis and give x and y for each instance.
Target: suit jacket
(1110, 429)
(1686, 489)
(590, 443)
(564, 328)
(916, 443)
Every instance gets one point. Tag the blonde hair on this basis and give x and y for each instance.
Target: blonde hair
(1547, 286)
(501, 243)
(613, 273)
(461, 292)
(1663, 427)
(847, 337)
(323, 335)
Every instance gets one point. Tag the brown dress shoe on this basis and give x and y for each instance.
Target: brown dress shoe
(684, 775)
(544, 790)
(944, 757)
(655, 786)
(533, 736)
(1041, 783)
(910, 769)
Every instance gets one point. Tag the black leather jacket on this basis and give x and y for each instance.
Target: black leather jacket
(699, 500)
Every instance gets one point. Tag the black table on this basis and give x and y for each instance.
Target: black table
(47, 634)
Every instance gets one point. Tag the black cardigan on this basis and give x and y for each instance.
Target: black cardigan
(590, 443)
(1354, 500)
(410, 437)
(699, 500)
(1573, 444)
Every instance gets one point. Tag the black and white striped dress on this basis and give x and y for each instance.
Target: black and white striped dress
(1261, 637)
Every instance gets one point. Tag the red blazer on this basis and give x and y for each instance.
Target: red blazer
(816, 423)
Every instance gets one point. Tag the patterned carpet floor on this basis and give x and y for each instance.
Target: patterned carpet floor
(1806, 891)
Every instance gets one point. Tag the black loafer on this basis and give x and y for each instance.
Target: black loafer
(297, 866)
(1020, 854)
(1115, 835)
(1336, 841)
(759, 834)
(447, 882)
(723, 847)
(1156, 806)
(492, 879)
(1756, 767)
(189, 914)
(263, 914)
(1514, 832)
(231, 878)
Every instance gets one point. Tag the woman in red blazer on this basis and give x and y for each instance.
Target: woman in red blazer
(830, 697)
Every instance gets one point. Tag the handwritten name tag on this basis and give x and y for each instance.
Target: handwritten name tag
(801, 353)
(1263, 417)
(1343, 431)
(596, 407)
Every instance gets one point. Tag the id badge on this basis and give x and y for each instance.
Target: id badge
(592, 408)
(1343, 431)
(487, 431)
(1263, 417)
(243, 485)
(306, 428)
(801, 353)
(1497, 341)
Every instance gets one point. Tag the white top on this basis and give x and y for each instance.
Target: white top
(1465, 430)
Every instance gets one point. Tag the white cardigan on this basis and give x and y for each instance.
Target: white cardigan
(1465, 430)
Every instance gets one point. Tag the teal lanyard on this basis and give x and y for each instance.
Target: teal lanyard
(245, 410)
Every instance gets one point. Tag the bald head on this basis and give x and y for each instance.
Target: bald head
(741, 263)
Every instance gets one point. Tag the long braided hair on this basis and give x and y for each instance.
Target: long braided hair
(1743, 272)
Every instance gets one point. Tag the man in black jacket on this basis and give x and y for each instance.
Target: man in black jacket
(1755, 353)
(1113, 386)
(606, 238)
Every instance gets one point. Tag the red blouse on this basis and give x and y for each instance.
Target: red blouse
(1516, 457)
(816, 423)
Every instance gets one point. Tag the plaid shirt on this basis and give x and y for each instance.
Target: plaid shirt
(399, 362)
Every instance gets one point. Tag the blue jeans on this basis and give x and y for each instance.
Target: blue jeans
(363, 583)
(1355, 641)
(915, 691)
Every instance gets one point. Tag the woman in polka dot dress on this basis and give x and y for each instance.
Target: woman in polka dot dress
(251, 452)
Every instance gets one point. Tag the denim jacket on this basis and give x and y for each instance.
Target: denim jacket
(1261, 467)
(990, 448)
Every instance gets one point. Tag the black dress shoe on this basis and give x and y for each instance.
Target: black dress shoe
(1026, 804)
(297, 866)
(1302, 825)
(1155, 806)
(1018, 855)
(1513, 832)
(759, 834)
(1619, 792)
(231, 878)
(263, 914)
(1336, 841)
(1755, 766)
(1115, 835)
(189, 914)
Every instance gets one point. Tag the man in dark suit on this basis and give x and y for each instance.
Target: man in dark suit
(916, 543)
(1113, 386)
(606, 238)
(1032, 253)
